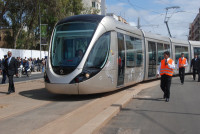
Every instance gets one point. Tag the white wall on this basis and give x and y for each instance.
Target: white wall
(23, 53)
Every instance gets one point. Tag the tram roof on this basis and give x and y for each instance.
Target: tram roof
(194, 43)
(158, 37)
(87, 17)
(179, 41)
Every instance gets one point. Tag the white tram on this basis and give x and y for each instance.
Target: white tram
(91, 54)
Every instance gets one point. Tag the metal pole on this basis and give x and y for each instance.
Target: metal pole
(40, 30)
(167, 18)
(168, 29)
(138, 24)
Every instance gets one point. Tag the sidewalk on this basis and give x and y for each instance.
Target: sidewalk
(32, 73)
(148, 113)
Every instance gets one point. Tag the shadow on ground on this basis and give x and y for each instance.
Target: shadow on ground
(43, 94)
(3, 92)
(150, 99)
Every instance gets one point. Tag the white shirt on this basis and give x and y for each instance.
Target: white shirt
(9, 59)
(172, 66)
(186, 64)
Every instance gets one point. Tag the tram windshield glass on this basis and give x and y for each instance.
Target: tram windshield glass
(70, 41)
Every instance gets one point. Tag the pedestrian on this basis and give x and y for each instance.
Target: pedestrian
(3, 70)
(166, 69)
(199, 71)
(11, 69)
(30, 64)
(43, 65)
(26, 66)
(38, 64)
(0, 63)
(195, 65)
(181, 64)
(119, 65)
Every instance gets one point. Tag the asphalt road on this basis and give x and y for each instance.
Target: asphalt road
(148, 113)
(34, 75)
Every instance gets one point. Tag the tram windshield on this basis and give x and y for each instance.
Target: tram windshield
(70, 42)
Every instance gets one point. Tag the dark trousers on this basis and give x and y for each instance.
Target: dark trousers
(11, 87)
(182, 74)
(4, 77)
(119, 70)
(195, 71)
(165, 85)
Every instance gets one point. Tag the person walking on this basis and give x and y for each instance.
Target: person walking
(195, 65)
(11, 69)
(3, 70)
(166, 69)
(43, 65)
(181, 64)
(199, 71)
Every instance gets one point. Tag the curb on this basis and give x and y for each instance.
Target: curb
(20, 82)
(105, 116)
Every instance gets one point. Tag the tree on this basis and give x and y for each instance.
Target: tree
(26, 14)
(18, 15)
(90, 10)
(4, 7)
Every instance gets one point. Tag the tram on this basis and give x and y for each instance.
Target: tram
(91, 54)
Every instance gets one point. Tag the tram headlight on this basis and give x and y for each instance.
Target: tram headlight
(87, 75)
(81, 77)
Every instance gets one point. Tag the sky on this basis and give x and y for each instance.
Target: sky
(152, 14)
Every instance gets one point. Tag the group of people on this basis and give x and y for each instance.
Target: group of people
(167, 67)
(33, 64)
(9, 67)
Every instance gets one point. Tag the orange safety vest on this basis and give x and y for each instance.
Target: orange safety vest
(182, 62)
(165, 69)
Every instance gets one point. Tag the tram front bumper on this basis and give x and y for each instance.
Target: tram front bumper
(58, 88)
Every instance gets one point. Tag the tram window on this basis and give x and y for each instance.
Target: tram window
(166, 47)
(185, 51)
(130, 52)
(138, 46)
(99, 53)
(152, 52)
(152, 59)
(197, 50)
(160, 52)
(134, 54)
(179, 50)
(70, 42)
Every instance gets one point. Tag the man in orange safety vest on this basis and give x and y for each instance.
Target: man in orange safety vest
(181, 64)
(166, 70)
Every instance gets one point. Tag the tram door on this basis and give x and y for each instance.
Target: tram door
(121, 59)
(152, 59)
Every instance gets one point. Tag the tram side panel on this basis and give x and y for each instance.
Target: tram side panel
(195, 48)
(179, 47)
(134, 53)
(154, 54)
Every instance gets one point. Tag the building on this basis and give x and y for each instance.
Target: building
(194, 32)
(118, 18)
(95, 6)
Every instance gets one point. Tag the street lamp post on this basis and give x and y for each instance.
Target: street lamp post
(167, 18)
